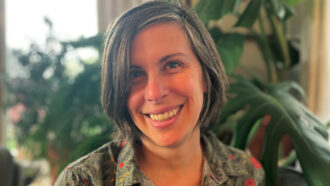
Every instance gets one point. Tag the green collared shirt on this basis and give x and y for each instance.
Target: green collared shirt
(115, 164)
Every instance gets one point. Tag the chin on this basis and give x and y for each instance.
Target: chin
(170, 141)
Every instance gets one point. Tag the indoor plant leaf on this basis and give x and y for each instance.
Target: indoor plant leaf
(230, 48)
(289, 11)
(277, 8)
(293, 2)
(250, 14)
(283, 9)
(74, 118)
(308, 135)
(214, 9)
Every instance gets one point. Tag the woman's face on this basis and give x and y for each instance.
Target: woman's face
(166, 85)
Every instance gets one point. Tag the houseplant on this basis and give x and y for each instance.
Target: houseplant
(62, 117)
(272, 98)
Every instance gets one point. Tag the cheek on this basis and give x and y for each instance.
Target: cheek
(193, 88)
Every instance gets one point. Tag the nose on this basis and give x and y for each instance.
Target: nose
(156, 89)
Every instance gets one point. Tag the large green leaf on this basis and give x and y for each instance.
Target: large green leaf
(230, 48)
(250, 14)
(288, 116)
(214, 9)
(293, 2)
(277, 8)
(282, 8)
(289, 12)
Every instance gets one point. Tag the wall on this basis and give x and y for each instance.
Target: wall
(309, 27)
(324, 112)
(108, 10)
(317, 66)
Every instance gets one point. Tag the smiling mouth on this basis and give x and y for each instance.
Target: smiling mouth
(164, 116)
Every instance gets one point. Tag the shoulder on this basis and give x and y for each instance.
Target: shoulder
(94, 168)
(238, 165)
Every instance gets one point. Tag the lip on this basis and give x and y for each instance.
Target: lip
(164, 124)
(162, 110)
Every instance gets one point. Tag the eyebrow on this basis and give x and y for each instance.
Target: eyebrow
(165, 58)
(133, 67)
(162, 60)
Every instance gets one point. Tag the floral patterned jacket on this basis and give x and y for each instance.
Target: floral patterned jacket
(115, 165)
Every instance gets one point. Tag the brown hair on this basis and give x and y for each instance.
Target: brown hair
(116, 62)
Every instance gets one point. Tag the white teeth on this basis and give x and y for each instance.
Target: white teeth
(164, 116)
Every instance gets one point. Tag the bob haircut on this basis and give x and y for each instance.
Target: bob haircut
(116, 63)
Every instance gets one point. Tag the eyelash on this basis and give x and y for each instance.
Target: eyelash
(170, 69)
(137, 74)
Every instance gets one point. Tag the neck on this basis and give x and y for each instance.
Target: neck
(178, 158)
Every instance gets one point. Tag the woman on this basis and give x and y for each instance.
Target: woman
(163, 84)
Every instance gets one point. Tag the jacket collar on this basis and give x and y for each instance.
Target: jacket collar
(128, 172)
(222, 160)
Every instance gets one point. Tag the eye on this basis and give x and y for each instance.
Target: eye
(135, 75)
(173, 66)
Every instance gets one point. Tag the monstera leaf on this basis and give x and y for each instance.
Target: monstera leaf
(288, 116)
(250, 14)
(215, 9)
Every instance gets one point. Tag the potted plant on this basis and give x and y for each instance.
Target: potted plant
(275, 99)
(61, 118)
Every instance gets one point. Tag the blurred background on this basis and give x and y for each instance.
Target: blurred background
(50, 54)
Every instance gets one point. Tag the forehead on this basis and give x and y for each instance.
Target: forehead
(167, 30)
(160, 39)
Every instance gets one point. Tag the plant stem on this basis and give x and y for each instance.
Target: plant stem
(250, 72)
(282, 44)
(266, 51)
(288, 160)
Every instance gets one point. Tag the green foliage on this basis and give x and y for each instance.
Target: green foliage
(250, 14)
(230, 48)
(293, 2)
(288, 116)
(250, 102)
(74, 123)
(277, 12)
(215, 9)
(42, 72)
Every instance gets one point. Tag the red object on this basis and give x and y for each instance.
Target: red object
(85, 181)
(255, 162)
(123, 144)
(255, 146)
(231, 157)
(121, 165)
(249, 182)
